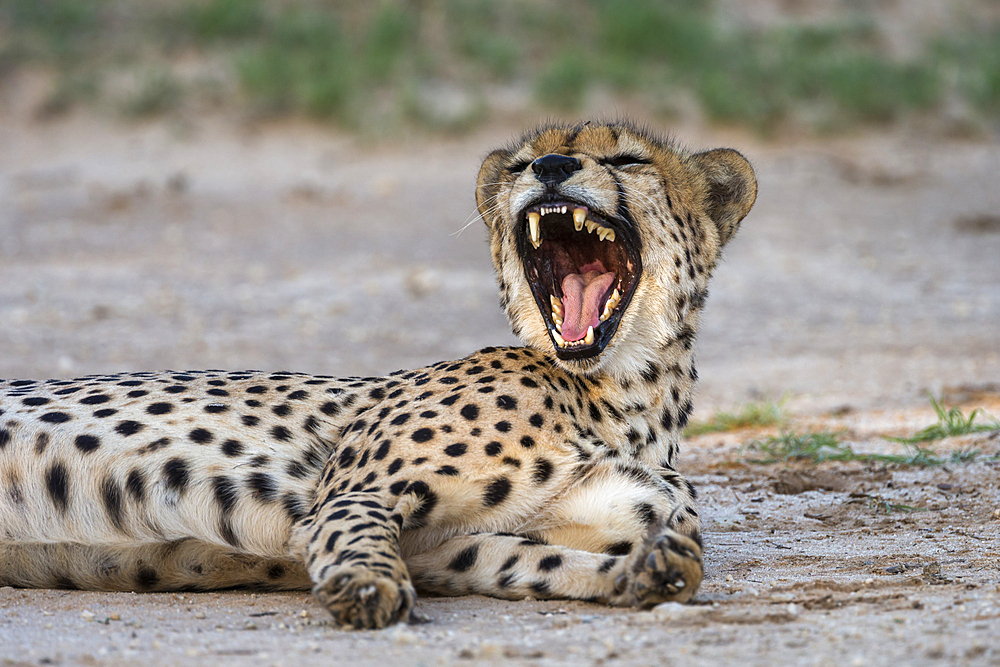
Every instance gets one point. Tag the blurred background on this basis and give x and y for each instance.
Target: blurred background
(283, 183)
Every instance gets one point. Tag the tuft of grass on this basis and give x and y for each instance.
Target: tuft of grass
(157, 92)
(950, 423)
(766, 413)
(817, 447)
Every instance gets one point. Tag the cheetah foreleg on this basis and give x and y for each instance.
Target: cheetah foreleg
(350, 544)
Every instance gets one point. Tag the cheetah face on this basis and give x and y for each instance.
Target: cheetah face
(602, 235)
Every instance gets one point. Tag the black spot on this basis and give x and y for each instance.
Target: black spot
(107, 412)
(528, 382)
(87, 443)
(458, 449)
(216, 408)
(128, 427)
(175, 472)
(496, 492)
(262, 487)
(346, 457)
(542, 472)
(400, 419)
(646, 513)
(201, 436)
(509, 563)
(377, 393)
(450, 400)
(536, 420)
(448, 471)
(622, 548)
(95, 399)
(511, 461)
(428, 502)
(397, 488)
(331, 541)
(506, 402)
(232, 448)
(174, 389)
(250, 420)
(137, 393)
(281, 433)
(422, 435)
(41, 442)
(595, 413)
(503, 427)
(394, 467)
(667, 419)
(36, 400)
(282, 410)
(146, 578)
(428, 414)
(493, 448)
(527, 442)
(330, 408)
(159, 408)
(505, 581)
(217, 392)
(4, 437)
(275, 571)
(549, 563)
(256, 389)
(111, 494)
(607, 565)
(470, 411)
(382, 451)
(464, 561)
(540, 587)
(226, 493)
(57, 484)
(136, 485)
(55, 417)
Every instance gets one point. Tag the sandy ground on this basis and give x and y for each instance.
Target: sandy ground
(866, 276)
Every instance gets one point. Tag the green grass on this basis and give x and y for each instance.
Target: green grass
(766, 413)
(342, 61)
(950, 423)
(817, 447)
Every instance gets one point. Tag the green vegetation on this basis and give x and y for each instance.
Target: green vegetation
(951, 422)
(355, 62)
(766, 413)
(825, 446)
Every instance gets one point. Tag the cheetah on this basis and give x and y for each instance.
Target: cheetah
(545, 471)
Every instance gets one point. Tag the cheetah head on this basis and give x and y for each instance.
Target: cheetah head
(604, 237)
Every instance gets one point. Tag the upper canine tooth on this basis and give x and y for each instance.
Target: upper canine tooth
(579, 217)
(591, 226)
(589, 338)
(533, 219)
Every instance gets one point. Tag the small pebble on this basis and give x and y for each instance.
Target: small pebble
(87, 615)
(114, 616)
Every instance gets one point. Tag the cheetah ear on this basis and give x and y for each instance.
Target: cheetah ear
(487, 185)
(732, 188)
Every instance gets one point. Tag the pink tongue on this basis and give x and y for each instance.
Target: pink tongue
(582, 294)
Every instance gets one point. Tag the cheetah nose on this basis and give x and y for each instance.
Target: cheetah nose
(552, 169)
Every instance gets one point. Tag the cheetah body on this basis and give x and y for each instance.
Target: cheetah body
(545, 471)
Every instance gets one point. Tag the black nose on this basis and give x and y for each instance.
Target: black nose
(551, 169)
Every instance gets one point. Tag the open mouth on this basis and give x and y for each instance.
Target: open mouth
(583, 269)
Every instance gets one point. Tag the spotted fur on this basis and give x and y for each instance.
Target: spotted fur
(511, 472)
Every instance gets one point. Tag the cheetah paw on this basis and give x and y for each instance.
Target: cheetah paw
(362, 599)
(667, 568)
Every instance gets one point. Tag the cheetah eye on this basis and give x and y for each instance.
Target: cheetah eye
(625, 160)
(518, 167)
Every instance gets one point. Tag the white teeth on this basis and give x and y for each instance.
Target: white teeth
(533, 219)
(579, 217)
(556, 305)
(591, 226)
(558, 339)
(611, 304)
(610, 236)
(589, 338)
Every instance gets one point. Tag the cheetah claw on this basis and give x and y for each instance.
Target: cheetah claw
(667, 569)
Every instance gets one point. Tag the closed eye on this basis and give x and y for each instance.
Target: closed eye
(625, 160)
(518, 167)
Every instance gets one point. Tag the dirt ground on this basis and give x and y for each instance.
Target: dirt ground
(866, 276)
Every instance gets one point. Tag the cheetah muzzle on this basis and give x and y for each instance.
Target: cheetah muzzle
(544, 471)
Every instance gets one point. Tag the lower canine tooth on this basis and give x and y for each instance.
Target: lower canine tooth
(559, 339)
(579, 217)
(589, 338)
